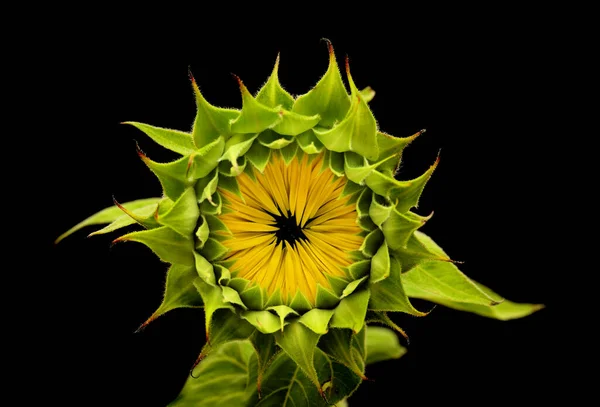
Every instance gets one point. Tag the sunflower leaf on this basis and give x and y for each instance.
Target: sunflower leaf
(382, 344)
(167, 244)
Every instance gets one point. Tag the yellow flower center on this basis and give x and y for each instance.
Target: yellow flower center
(290, 229)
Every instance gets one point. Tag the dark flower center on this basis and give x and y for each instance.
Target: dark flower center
(289, 230)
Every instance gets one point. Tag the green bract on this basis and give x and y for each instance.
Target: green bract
(260, 349)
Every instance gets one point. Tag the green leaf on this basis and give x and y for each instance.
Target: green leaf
(292, 124)
(206, 188)
(407, 193)
(226, 377)
(399, 227)
(180, 291)
(145, 214)
(328, 98)
(212, 296)
(309, 143)
(264, 321)
(351, 311)
(359, 269)
(289, 152)
(352, 286)
(254, 297)
(213, 250)
(174, 140)
(389, 294)
(183, 215)
(204, 269)
(357, 132)
(299, 343)
(371, 243)
(379, 209)
(338, 343)
(390, 151)
(110, 214)
(363, 203)
(317, 320)
(202, 232)
(300, 302)
(259, 156)
(325, 298)
(236, 147)
(272, 94)
(167, 244)
(173, 176)
(274, 141)
(226, 326)
(380, 264)
(205, 160)
(382, 344)
(336, 163)
(210, 122)
(255, 117)
(266, 350)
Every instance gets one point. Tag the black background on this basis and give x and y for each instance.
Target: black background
(479, 87)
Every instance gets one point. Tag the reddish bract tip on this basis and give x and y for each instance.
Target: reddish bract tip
(329, 47)
(145, 324)
(140, 153)
(191, 76)
(347, 62)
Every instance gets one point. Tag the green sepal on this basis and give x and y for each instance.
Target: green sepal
(444, 280)
(235, 361)
(371, 243)
(325, 299)
(232, 296)
(328, 98)
(222, 275)
(356, 167)
(213, 250)
(238, 284)
(380, 263)
(363, 203)
(266, 349)
(167, 244)
(300, 303)
(274, 141)
(226, 326)
(399, 227)
(309, 143)
(389, 294)
(202, 232)
(182, 217)
(289, 152)
(390, 146)
(259, 156)
(359, 269)
(338, 343)
(254, 297)
(352, 286)
(293, 124)
(212, 296)
(174, 140)
(264, 321)
(379, 209)
(381, 317)
(212, 206)
(337, 284)
(299, 343)
(206, 187)
(336, 163)
(254, 117)
(205, 160)
(180, 291)
(275, 298)
(215, 224)
(235, 148)
(173, 176)
(210, 122)
(317, 320)
(351, 311)
(382, 344)
(229, 183)
(356, 132)
(367, 94)
(282, 311)
(272, 94)
(145, 214)
(204, 269)
(352, 189)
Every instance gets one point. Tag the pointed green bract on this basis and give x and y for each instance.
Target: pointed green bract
(272, 94)
(167, 244)
(173, 176)
(145, 212)
(266, 350)
(183, 215)
(317, 320)
(380, 264)
(174, 140)
(254, 117)
(338, 343)
(351, 311)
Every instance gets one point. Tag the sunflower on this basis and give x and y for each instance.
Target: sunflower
(285, 221)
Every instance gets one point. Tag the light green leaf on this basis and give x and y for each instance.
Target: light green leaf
(359, 269)
(205, 160)
(226, 377)
(407, 193)
(317, 320)
(338, 343)
(371, 243)
(167, 244)
(379, 209)
(110, 214)
(292, 124)
(180, 291)
(300, 302)
(254, 297)
(226, 326)
(145, 213)
(367, 94)
(272, 140)
(213, 250)
(173, 176)
(390, 151)
(399, 227)
(212, 296)
(336, 163)
(204, 269)
(309, 143)
(174, 140)
(351, 311)
(264, 321)
(289, 152)
(389, 294)
(380, 264)
(210, 122)
(328, 98)
(259, 156)
(382, 344)
(236, 147)
(206, 188)
(255, 117)
(183, 215)
(266, 350)
(299, 343)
